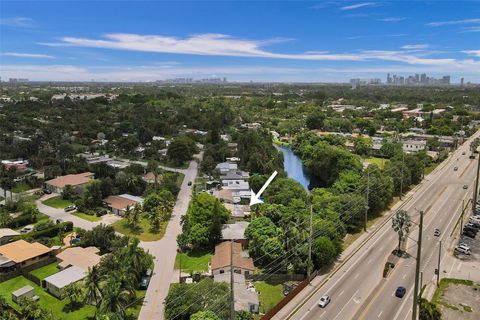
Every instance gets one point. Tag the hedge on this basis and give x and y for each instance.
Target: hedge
(21, 220)
(49, 232)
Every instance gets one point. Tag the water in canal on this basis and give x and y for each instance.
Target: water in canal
(295, 169)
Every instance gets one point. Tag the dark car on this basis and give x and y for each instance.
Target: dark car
(470, 229)
(473, 226)
(469, 234)
(101, 213)
(75, 241)
(46, 191)
(70, 208)
(144, 283)
(400, 292)
(189, 183)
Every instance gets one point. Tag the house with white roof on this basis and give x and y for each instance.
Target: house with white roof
(58, 281)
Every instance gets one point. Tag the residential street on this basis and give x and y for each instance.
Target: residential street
(165, 251)
(357, 288)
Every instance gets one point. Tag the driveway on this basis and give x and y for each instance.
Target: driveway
(165, 250)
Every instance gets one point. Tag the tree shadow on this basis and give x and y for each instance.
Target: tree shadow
(72, 306)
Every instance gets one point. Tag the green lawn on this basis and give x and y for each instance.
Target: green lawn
(431, 168)
(269, 294)
(134, 310)
(92, 218)
(57, 202)
(193, 261)
(46, 300)
(171, 164)
(45, 271)
(142, 232)
(380, 162)
(21, 187)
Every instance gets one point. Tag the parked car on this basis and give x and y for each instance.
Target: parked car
(474, 226)
(70, 208)
(437, 232)
(470, 229)
(463, 249)
(144, 283)
(27, 229)
(324, 300)
(400, 292)
(455, 169)
(75, 240)
(59, 221)
(189, 183)
(100, 213)
(469, 234)
(474, 220)
(46, 191)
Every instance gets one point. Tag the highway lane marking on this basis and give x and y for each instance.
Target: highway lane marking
(431, 178)
(404, 276)
(346, 304)
(340, 294)
(380, 314)
(356, 276)
(425, 266)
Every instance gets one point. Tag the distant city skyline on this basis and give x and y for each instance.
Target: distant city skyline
(267, 41)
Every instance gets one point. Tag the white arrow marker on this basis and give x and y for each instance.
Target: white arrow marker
(254, 198)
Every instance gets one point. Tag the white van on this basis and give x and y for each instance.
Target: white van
(463, 249)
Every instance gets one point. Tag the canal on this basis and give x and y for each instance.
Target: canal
(295, 169)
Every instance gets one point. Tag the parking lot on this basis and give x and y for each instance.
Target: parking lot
(460, 302)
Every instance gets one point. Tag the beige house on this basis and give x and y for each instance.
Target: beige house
(83, 258)
(121, 203)
(242, 263)
(24, 253)
(77, 181)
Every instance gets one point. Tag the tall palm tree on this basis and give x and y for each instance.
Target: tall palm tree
(401, 224)
(93, 292)
(134, 256)
(114, 298)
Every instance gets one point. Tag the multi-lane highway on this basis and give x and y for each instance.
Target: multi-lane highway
(357, 288)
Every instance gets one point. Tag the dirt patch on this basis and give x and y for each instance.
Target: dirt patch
(461, 302)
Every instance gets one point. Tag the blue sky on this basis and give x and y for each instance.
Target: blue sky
(242, 40)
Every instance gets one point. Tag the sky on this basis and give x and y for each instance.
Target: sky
(271, 41)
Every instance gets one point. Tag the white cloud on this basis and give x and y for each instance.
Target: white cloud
(203, 44)
(470, 29)
(472, 52)
(28, 55)
(17, 22)
(358, 5)
(415, 46)
(453, 22)
(223, 45)
(392, 19)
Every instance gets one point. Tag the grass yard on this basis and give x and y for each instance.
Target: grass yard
(269, 294)
(21, 187)
(431, 168)
(45, 271)
(46, 300)
(193, 261)
(171, 164)
(380, 162)
(134, 310)
(92, 218)
(142, 232)
(57, 202)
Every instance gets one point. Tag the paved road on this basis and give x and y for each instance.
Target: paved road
(55, 214)
(165, 251)
(357, 289)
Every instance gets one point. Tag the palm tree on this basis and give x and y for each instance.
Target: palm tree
(114, 298)
(134, 256)
(401, 224)
(133, 215)
(93, 293)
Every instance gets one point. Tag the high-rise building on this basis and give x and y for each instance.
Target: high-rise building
(461, 81)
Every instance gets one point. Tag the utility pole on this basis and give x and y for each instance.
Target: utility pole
(309, 269)
(475, 191)
(417, 268)
(366, 201)
(180, 270)
(421, 282)
(401, 178)
(232, 300)
(438, 265)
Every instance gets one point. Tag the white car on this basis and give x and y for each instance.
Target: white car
(322, 303)
(463, 249)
